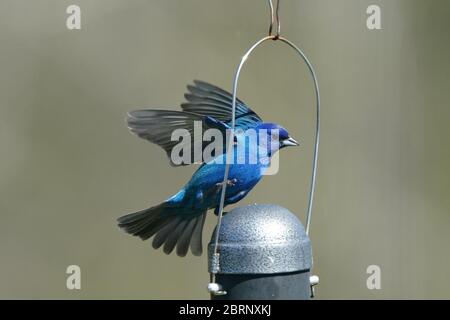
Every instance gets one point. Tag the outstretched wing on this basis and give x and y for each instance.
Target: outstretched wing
(159, 127)
(206, 99)
(207, 107)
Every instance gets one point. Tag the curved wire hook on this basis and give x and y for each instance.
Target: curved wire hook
(230, 144)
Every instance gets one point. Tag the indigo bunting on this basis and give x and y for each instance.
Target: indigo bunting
(178, 221)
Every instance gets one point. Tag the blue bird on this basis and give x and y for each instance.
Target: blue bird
(178, 221)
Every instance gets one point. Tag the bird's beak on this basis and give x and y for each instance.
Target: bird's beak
(290, 142)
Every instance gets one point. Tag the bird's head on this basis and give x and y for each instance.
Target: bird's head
(277, 135)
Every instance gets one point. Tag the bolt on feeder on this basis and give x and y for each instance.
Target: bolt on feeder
(263, 251)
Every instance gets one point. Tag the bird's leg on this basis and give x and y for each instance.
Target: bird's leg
(218, 187)
(230, 183)
(216, 211)
(233, 199)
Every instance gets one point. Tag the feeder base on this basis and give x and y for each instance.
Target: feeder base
(280, 286)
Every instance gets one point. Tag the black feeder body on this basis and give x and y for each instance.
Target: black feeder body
(264, 254)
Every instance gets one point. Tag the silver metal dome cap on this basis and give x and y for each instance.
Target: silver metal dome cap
(261, 239)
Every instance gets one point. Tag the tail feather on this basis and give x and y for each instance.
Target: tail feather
(138, 227)
(196, 239)
(143, 223)
(173, 238)
(185, 238)
(132, 223)
(149, 232)
(165, 231)
(168, 228)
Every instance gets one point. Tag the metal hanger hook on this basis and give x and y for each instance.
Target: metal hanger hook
(274, 16)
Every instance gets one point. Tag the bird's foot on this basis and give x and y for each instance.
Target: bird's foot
(230, 183)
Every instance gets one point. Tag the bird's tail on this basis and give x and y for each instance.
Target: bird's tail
(168, 228)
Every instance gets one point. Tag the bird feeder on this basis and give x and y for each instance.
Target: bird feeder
(263, 251)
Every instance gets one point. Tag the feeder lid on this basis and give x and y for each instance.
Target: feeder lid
(261, 239)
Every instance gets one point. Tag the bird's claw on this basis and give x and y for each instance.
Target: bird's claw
(230, 183)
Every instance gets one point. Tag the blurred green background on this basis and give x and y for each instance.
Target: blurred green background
(69, 167)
